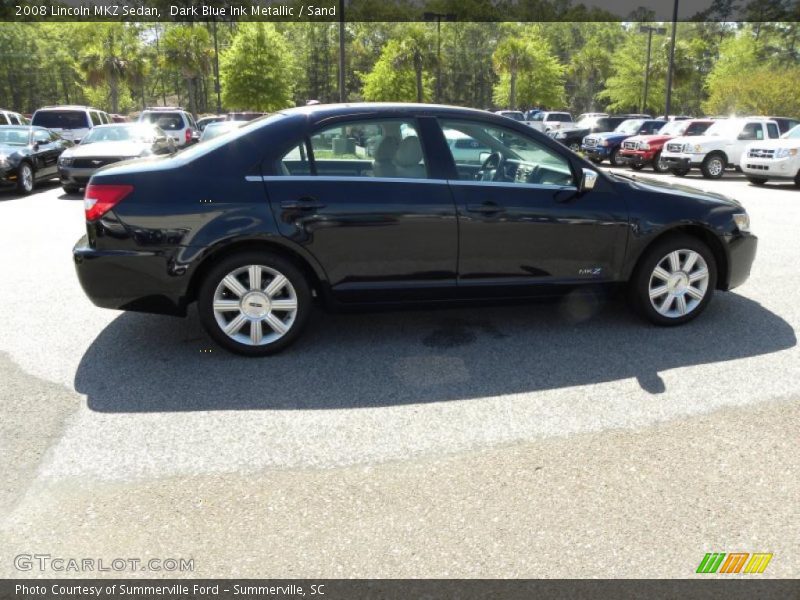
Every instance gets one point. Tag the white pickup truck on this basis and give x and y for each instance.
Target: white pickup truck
(550, 121)
(722, 146)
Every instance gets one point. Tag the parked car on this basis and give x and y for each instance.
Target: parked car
(203, 122)
(176, 122)
(529, 114)
(601, 146)
(70, 122)
(8, 117)
(590, 115)
(466, 149)
(572, 137)
(784, 123)
(28, 155)
(219, 128)
(721, 146)
(773, 159)
(108, 144)
(244, 116)
(642, 150)
(550, 121)
(517, 115)
(115, 118)
(257, 224)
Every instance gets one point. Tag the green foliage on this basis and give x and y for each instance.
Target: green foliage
(257, 71)
(394, 77)
(738, 55)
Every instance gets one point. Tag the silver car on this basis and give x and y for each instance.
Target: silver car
(107, 144)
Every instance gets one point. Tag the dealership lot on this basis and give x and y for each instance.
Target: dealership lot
(566, 439)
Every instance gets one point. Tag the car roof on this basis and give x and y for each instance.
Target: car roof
(323, 111)
(68, 107)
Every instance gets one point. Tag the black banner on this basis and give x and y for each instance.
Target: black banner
(717, 587)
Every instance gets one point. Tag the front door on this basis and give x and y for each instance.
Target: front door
(521, 219)
(359, 196)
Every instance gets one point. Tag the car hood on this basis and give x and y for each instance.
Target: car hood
(8, 150)
(775, 144)
(655, 138)
(107, 149)
(575, 130)
(676, 189)
(702, 140)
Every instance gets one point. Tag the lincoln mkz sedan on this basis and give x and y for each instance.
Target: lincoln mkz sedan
(366, 203)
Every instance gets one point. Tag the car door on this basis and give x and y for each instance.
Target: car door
(525, 223)
(47, 152)
(364, 198)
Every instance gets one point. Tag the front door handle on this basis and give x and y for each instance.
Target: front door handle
(305, 203)
(487, 208)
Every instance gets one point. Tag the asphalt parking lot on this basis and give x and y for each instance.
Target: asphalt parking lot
(557, 440)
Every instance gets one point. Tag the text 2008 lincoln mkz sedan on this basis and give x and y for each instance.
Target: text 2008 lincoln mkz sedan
(366, 203)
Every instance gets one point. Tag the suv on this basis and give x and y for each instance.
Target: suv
(721, 146)
(176, 123)
(550, 121)
(8, 117)
(600, 146)
(773, 159)
(641, 150)
(70, 122)
(592, 123)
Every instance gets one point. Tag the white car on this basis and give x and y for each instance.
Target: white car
(774, 159)
(550, 121)
(9, 117)
(721, 146)
(176, 123)
(70, 122)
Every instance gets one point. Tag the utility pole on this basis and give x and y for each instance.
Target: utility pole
(649, 30)
(217, 88)
(438, 17)
(671, 58)
(342, 93)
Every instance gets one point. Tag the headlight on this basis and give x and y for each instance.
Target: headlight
(64, 161)
(784, 152)
(643, 146)
(742, 221)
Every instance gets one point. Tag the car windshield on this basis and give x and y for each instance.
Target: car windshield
(674, 128)
(724, 128)
(14, 136)
(120, 133)
(168, 121)
(629, 126)
(61, 119)
(792, 134)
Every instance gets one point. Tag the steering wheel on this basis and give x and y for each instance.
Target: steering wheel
(492, 167)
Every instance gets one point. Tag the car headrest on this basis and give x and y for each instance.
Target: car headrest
(386, 148)
(409, 152)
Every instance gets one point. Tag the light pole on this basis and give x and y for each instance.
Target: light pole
(216, 67)
(342, 94)
(649, 30)
(671, 58)
(438, 17)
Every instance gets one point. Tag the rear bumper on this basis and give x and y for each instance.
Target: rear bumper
(129, 280)
(741, 254)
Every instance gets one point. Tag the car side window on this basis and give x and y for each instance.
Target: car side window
(95, 118)
(752, 131)
(518, 158)
(772, 131)
(372, 148)
(15, 120)
(43, 137)
(296, 161)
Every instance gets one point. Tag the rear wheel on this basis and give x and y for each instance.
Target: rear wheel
(25, 179)
(254, 303)
(674, 281)
(757, 180)
(713, 166)
(659, 164)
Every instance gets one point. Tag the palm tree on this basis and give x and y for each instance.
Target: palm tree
(188, 50)
(106, 60)
(416, 51)
(510, 57)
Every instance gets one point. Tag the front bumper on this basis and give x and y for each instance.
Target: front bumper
(636, 157)
(680, 161)
(741, 254)
(75, 176)
(772, 168)
(596, 152)
(8, 177)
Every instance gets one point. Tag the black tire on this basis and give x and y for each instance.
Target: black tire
(71, 189)
(25, 184)
(639, 285)
(679, 172)
(268, 260)
(613, 158)
(596, 161)
(713, 165)
(637, 166)
(797, 179)
(658, 167)
(757, 180)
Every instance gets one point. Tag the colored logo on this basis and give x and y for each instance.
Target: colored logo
(734, 562)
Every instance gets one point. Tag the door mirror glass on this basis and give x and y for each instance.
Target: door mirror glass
(588, 179)
(483, 156)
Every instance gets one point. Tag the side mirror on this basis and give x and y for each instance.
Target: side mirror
(588, 179)
(35, 145)
(483, 156)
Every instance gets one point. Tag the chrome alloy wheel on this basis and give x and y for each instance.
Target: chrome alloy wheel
(679, 283)
(26, 177)
(715, 166)
(255, 305)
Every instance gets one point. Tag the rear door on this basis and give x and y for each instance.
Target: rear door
(364, 197)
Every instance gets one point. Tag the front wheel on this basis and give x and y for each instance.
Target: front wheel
(25, 180)
(613, 158)
(659, 164)
(674, 281)
(254, 303)
(713, 166)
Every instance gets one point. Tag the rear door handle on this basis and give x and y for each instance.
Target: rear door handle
(487, 208)
(305, 203)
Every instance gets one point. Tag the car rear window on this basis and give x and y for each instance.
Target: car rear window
(61, 119)
(564, 117)
(168, 121)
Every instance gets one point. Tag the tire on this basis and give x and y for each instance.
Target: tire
(757, 180)
(679, 172)
(596, 161)
(575, 147)
(681, 294)
(613, 158)
(713, 166)
(797, 179)
(262, 329)
(637, 166)
(26, 179)
(658, 166)
(71, 189)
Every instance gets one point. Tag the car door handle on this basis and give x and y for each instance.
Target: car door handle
(487, 208)
(306, 203)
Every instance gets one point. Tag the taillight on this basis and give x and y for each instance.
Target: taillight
(188, 135)
(99, 199)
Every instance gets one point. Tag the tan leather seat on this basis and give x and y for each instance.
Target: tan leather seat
(408, 158)
(383, 164)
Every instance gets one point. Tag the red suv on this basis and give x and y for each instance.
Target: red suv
(642, 150)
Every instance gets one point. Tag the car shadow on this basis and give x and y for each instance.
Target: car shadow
(146, 363)
(11, 193)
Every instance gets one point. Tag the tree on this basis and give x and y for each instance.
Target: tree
(415, 51)
(392, 79)
(738, 55)
(188, 49)
(106, 59)
(510, 56)
(257, 71)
